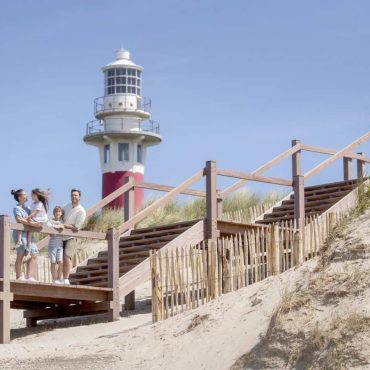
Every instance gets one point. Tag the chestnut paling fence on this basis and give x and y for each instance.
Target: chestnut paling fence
(188, 277)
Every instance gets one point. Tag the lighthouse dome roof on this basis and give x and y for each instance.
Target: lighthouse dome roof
(123, 60)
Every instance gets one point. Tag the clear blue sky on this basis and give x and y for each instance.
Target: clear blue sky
(232, 81)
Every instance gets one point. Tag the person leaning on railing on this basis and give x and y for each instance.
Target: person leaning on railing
(21, 213)
(74, 218)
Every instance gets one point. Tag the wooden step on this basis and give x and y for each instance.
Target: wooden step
(156, 233)
(308, 193)
(144, 248)
(307, 209)
(102, 265)
(123, 255)
(147, 241)
(80, 276)
(164, 227)
(333, 184)
(283, 218)
(133, 248)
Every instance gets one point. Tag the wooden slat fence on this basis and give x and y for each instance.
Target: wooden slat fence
(186, 278)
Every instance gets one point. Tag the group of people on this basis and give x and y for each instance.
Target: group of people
(61, 248)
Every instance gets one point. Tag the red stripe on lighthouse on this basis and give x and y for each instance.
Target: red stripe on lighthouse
(113, 180)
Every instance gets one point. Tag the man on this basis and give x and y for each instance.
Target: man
(74, 218)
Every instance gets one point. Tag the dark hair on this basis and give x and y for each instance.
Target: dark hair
(58, 208)
(76, 190)
(16, 194)
(43, 197)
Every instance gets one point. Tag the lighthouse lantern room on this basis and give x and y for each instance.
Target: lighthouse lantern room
(122, 129)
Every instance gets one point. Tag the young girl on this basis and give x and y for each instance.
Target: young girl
(56, 246)
(39, 209)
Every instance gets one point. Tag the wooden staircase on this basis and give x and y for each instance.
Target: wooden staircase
(133, 250)
(318, 199)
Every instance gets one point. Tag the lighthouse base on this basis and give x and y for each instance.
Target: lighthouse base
(114, 180)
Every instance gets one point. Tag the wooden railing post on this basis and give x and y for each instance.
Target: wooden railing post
(129, 212)
(211, 201)
(298, 188)
(347, 168)
(5, 295)
(361, 168)
(113, 273)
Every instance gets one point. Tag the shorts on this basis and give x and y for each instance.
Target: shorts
(69, 247)
(56, 254)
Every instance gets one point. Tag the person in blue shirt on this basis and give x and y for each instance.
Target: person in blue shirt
(21, 213)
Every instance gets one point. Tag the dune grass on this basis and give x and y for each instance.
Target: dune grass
(176, 211)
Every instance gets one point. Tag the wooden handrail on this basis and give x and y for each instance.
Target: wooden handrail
(160, 202)
(262, 169)
(51, 231)
(339, 154)
(152, 186)
(317, 149)
(254, 177)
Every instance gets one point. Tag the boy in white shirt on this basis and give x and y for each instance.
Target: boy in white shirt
(56, 246)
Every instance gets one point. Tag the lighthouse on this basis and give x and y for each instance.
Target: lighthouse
(122, 129)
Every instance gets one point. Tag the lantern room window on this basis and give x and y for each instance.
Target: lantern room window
(116, 81)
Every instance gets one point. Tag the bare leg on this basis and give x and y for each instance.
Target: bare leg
(29, 238)
(32, 265)
(18, 265)
(19, 242)
(60, 271)
(67, 267)
(53, 271)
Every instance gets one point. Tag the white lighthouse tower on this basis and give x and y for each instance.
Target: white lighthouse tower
(122, 130)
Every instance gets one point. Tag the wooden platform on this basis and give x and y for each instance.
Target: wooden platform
(45, 301)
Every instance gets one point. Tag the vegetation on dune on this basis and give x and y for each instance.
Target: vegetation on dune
(176, 211)
(317, 324)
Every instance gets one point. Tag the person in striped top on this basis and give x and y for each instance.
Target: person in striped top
(56, 246)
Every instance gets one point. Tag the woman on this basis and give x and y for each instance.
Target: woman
(21, 213)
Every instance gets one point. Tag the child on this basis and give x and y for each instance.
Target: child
(56, 246)
(39, 209)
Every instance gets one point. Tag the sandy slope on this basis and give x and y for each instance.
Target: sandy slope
(227, 332)
(224, 330)
(324, 322)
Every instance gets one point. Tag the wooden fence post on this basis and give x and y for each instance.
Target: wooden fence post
(113, 273)
(332, 221)
(129, 212)
(275, 250)
(298, 188)
(361, 168)
(347, 168)
(129, 196)
(5, 295)
(298, 253)
(211, 201)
